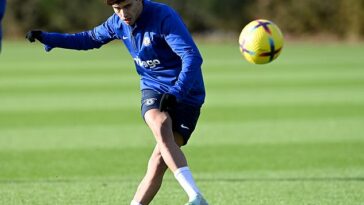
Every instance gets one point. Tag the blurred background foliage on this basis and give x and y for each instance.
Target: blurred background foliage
(339, 19)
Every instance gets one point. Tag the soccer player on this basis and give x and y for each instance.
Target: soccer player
(172, 87)
(2, 12)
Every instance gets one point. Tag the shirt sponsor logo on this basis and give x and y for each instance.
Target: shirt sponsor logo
(148, 63)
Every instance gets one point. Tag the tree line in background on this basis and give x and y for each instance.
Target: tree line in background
(342, 19)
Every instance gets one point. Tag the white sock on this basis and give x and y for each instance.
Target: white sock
(185, 179)
(135, 203)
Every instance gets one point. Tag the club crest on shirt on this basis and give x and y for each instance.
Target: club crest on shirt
(146, 41)
(150, 101)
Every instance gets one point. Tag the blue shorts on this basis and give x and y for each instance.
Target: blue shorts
(184, 117)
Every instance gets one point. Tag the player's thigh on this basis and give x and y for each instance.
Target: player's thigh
(183, 117)
(158, 122)
(184, 120)
(150, 101)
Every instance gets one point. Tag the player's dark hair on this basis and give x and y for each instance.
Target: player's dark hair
(112, 2)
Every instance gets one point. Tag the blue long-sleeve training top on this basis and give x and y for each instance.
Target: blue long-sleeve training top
(165, 55)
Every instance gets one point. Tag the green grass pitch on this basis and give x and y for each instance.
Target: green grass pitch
(287, 133)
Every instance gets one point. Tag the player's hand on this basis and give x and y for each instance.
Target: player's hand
(168, 101)
(34, 34)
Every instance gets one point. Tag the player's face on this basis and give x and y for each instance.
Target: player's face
(129, 10)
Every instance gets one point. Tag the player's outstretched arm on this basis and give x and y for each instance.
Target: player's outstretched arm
(85, 40)
(78, 41)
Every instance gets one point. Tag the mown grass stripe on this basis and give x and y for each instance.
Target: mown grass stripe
(215, 113)
(128, 161)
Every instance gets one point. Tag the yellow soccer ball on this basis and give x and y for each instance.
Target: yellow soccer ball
(261, 41)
